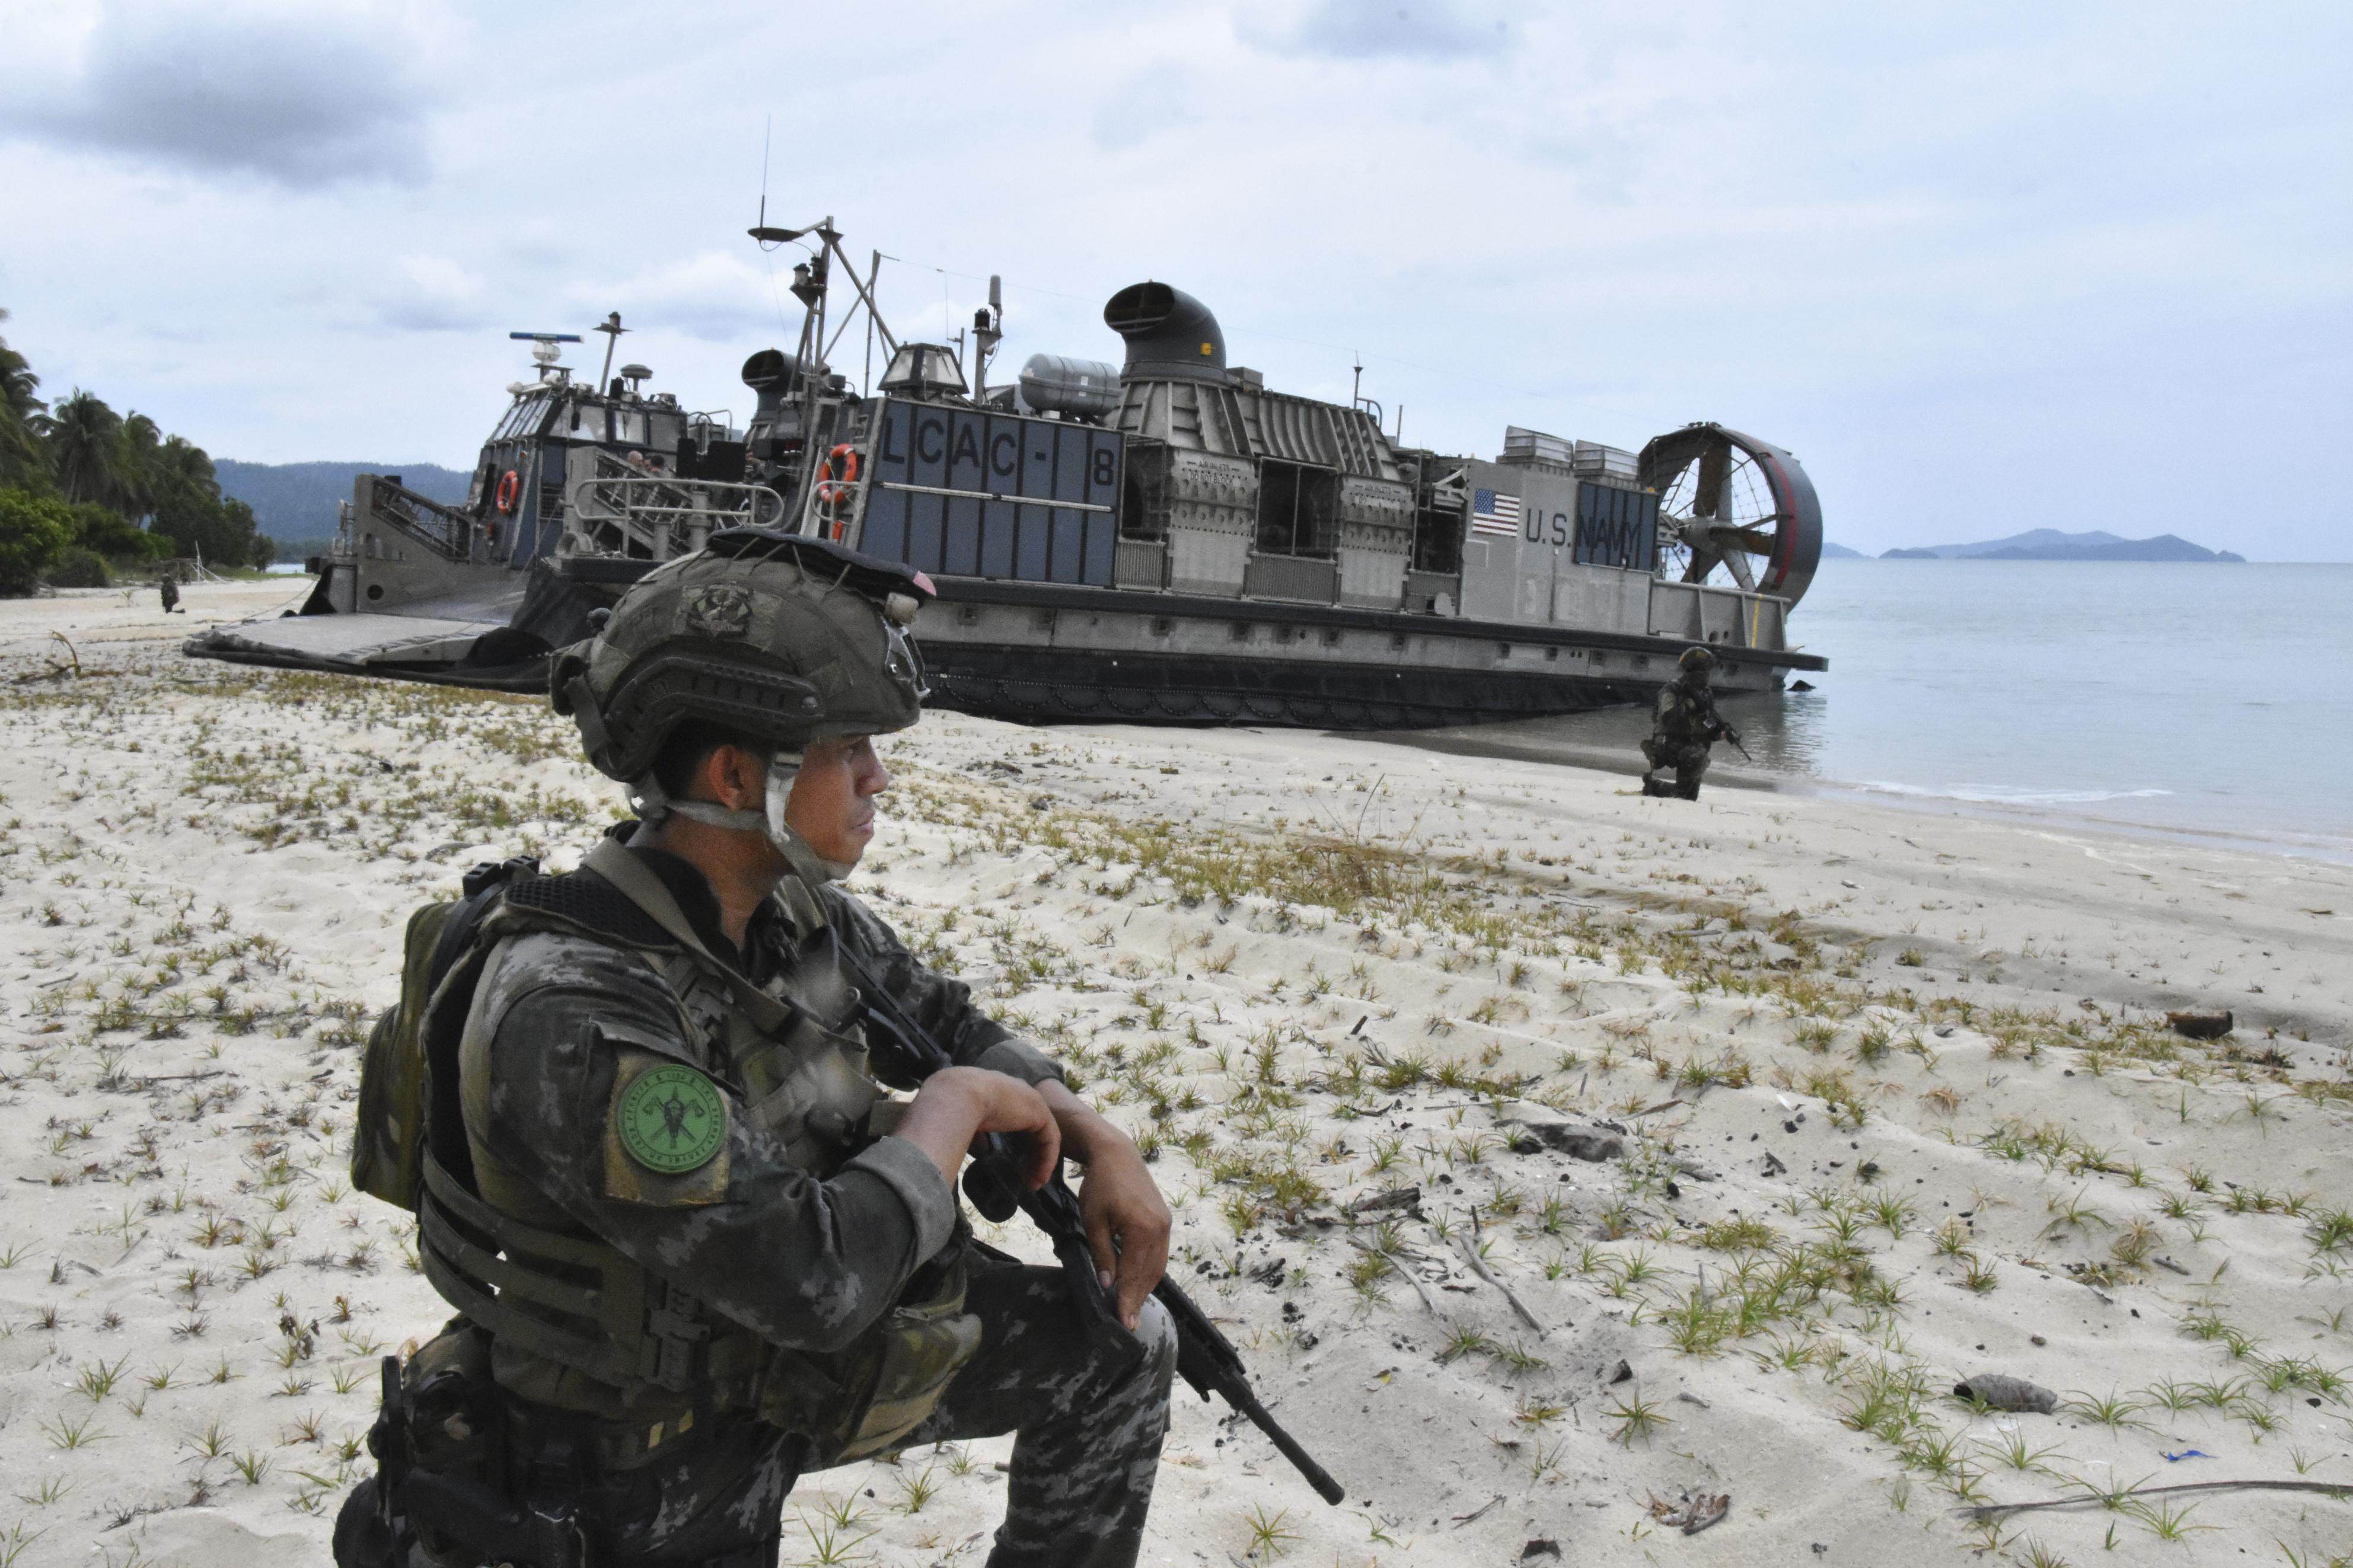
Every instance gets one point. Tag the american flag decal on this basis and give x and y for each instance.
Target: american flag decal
(1492, 513)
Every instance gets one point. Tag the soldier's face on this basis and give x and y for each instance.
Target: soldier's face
(832, 803)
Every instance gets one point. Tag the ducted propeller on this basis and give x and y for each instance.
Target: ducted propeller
(1729, 500)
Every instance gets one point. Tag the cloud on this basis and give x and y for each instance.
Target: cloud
(1161, 97)
(434, 294)
(1427, 30)
(302, 98)
(712, 295)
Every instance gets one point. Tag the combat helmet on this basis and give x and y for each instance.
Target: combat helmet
(781, 638)
(1698, 660)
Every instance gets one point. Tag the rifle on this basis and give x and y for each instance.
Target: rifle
(1724, 730)
(1205, 1358)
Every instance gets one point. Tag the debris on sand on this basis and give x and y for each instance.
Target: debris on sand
(1534, 1125)
(1692, 1511)
(2002, 1392)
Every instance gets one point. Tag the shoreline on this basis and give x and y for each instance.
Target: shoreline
(1727, 773)
(260, 595)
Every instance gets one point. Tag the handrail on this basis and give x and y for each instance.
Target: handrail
(443, 529)
(655, 496)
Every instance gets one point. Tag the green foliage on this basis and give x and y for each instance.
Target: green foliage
(86, 449)
(34, 532)
(197, 522)
(111, 470)
(106, 532)
(22, 415)
(76, 567)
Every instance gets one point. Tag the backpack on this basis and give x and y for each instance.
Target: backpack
(409, 1078)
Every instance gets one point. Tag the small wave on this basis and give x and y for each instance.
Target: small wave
(2009, 794)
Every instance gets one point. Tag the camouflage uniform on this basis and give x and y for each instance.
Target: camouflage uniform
(655, 1175)
(1684, 726)
(779, 1234)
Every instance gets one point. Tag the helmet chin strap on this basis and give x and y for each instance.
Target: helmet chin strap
(653, 803)
(813, 868)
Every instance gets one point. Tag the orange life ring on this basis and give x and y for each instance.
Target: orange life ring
(837, 474)
(510, 489)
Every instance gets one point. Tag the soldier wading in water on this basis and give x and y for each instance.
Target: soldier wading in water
(1684, 726)
(696, 1250)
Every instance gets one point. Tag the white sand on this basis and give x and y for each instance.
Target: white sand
(206, 869)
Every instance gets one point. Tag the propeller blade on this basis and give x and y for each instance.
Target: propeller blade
(1748, 539)
(1738, 562)
(1714, 477)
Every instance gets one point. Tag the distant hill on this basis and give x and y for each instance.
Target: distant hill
(1841, 552)
(2051, 544)
(294, 504)
(2163, 547)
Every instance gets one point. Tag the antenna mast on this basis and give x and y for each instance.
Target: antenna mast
(612, 328)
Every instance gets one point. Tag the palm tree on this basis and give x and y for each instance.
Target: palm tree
(142, 445)
(86, 448)
(184, 495)
(182, 468)
(22, 415)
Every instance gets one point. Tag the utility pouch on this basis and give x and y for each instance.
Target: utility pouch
(389, 1130)
(451, 1405)
(866, 1399)
(920, 1350)
(451, 1512)
(397, 1091)
(458, 1498)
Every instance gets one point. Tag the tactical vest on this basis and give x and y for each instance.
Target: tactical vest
(568, 1297)
(1686, 715)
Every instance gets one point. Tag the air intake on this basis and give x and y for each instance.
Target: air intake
(770, 373)
(1171, 336)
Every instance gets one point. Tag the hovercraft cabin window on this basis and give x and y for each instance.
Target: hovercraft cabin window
(1617, 527)
(522, 419)
(1298, 510)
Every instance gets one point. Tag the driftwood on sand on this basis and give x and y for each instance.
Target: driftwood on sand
(2002, 1509)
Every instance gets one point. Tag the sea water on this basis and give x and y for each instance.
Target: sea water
(2211, 701)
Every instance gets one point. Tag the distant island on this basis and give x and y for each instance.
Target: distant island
(2051, 544)
(294, 504)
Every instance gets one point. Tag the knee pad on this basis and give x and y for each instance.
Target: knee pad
(361, 1540)
(1155, 1331)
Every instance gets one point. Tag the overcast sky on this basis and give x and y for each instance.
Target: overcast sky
(1982, 268)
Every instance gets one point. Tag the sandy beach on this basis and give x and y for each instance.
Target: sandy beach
(1562, 1160)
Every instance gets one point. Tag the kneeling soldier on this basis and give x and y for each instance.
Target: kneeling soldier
(696, 1250)
(1684, 726)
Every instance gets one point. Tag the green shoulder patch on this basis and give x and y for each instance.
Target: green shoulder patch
(671, 1120)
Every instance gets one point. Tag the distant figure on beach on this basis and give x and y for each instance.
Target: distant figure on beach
(1684, 726)
(171, 591)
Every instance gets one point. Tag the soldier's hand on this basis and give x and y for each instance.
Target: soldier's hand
(956, 1105)
(1126, 1218)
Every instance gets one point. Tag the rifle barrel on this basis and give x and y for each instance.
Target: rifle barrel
(1243, 1400)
